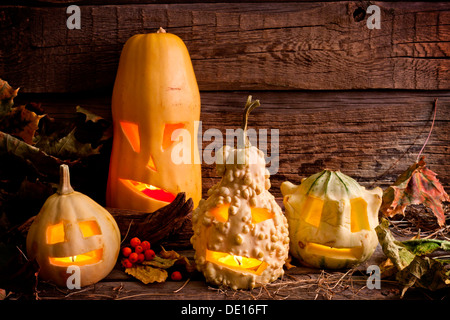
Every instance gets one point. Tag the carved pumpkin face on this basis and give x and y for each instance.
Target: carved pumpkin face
(72, 229)
(331, 220)
(155, 109)
(240, 233)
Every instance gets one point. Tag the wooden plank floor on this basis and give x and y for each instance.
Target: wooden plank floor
(299, 283)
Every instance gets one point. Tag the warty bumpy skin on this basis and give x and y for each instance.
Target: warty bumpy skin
(243, 186)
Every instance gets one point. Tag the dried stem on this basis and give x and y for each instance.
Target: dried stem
(64, 180)
(249, 106)
(431, 129)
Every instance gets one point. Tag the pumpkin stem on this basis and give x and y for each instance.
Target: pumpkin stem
(249, 106)
(64, 180)
(161, 30)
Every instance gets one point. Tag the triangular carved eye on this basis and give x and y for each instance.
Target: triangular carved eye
(169, 128)
(131, 132)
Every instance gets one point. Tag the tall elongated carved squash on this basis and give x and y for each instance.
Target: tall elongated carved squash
(155, 110)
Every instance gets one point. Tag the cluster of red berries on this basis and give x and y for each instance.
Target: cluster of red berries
(138, 253)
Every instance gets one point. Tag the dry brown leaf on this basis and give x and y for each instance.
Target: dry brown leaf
(179, 259)
(147, 274)
(417, 185)
(29, 123)
(159, 262)
(7, 95)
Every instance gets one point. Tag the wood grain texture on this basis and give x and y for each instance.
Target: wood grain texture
(372, 136)
(235, 46)
(298, 283)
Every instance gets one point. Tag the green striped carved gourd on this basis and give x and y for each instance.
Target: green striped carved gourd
(331, 220)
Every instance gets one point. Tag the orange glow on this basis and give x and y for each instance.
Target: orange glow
(151, 164)
(359, 218)
(312, 210)
(55, 233)
(89, 228)
(169, 128)
(341, 253)
(220, 212)
(149, 190)
(131, 132)
(238, 263)
(260, 215)
(83, 259)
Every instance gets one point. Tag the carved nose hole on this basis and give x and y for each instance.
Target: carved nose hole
(151, 164)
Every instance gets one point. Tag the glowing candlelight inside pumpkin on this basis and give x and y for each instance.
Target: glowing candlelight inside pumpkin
(57, 234)
(90, 257)
(150, 190)
(236, 262)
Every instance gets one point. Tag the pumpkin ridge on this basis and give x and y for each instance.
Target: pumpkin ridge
(315, 181)
(343, 183)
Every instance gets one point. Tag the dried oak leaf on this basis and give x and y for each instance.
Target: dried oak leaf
(147, 274)
(69, 147)
(159, 262)
(7, 95)
(178, 259)
(400, 256)
(80, 139)
(22, 121)
(407, 262)
(41, 161)
(417, 185)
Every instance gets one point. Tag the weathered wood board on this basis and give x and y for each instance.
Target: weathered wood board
(299, 283)
(235, 46)
(372, 136)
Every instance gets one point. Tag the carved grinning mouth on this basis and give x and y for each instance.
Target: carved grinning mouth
(238, 263)
(338, 253)
(150, 191)
(83, 259)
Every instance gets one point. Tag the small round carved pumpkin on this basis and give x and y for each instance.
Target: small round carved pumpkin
(240, 233)
(331, 220)
(72, 229)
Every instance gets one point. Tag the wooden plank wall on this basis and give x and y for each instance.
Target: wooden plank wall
(235, 46)
(343, 96)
